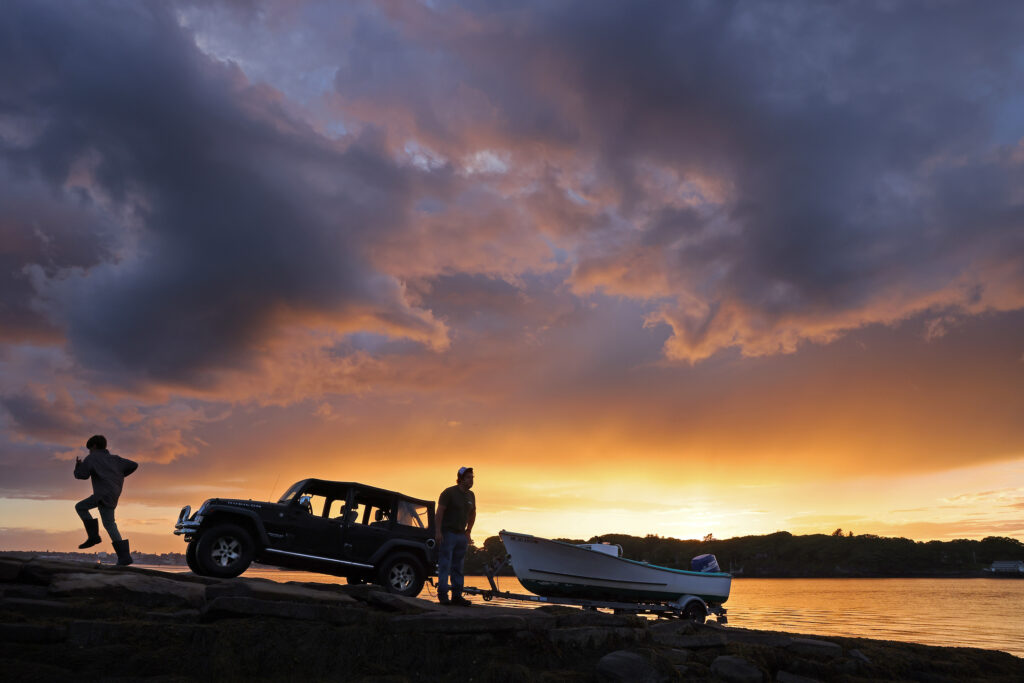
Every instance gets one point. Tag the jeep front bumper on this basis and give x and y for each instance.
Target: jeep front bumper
(187, 523)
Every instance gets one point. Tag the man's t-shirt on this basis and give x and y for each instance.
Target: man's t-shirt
(458, 504)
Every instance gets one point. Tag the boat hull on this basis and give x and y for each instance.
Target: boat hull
(561, 570)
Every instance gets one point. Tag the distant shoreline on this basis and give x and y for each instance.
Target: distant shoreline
(779, 555)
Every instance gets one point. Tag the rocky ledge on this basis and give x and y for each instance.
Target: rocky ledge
(63, 620)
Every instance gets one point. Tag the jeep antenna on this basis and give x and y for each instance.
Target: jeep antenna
(272, 488)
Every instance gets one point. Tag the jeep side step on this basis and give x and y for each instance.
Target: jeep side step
(317, 557)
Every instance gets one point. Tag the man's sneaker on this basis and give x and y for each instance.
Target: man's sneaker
(443, 599)
(460, 601)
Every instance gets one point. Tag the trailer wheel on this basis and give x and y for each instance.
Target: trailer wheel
(695, 613)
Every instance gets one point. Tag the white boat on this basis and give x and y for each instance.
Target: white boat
(596, 571)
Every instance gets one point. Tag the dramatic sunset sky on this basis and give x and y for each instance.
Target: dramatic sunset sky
(649, 267)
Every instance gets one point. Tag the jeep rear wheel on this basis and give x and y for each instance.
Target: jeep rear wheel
(224, 551)
(402, 575)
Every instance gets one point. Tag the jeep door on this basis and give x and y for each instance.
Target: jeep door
(371, 518)
(313, 532)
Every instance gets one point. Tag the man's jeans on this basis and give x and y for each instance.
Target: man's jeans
(82, 507)
(450, 557)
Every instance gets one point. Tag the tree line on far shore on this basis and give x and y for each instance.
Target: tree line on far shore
(783, 555)
(778, 555)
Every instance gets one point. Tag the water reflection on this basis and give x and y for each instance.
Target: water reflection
(986, 613)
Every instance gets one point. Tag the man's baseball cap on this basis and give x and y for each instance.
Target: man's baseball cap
(464, 470)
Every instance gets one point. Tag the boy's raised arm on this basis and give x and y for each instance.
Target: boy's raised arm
(82, 468)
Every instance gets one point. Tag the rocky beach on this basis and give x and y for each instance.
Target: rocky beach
(63, 620)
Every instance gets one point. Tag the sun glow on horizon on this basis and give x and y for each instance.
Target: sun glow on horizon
(932, 507)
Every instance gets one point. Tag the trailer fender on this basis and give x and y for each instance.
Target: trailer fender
(692, 608)
(685, 600)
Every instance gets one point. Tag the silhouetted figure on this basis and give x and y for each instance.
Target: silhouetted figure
(456, 513)
(107, 472)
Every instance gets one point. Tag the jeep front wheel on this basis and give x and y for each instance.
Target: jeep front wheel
(224, 551)
(190, 557)
(402, 575)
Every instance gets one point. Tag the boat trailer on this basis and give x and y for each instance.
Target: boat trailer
(688, 607)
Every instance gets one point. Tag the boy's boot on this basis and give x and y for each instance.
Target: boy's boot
(124, 555)
(92, 527)
(457, 599)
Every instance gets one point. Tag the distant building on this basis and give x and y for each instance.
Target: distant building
(1007, 568)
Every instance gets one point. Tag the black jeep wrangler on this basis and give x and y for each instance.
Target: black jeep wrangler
(366, 534)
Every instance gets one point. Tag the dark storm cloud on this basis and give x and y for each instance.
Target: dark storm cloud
(229, 213)
(52, 419)
(464, 297)
(862, 152)
(32, 471)
(42, 233)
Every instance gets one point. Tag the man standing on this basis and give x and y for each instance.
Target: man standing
(456, 513)
(107, 472)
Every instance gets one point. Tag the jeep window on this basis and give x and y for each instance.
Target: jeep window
(317, 502)
(380, 516)
(336, 509)
(291, 493)
(372, 508)
(368, 513)
(412, 514)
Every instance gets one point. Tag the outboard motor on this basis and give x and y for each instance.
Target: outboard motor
(704, 563)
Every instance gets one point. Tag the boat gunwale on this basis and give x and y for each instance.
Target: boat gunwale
(721, 575)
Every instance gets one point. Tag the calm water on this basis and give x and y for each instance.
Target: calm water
(987, 613)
